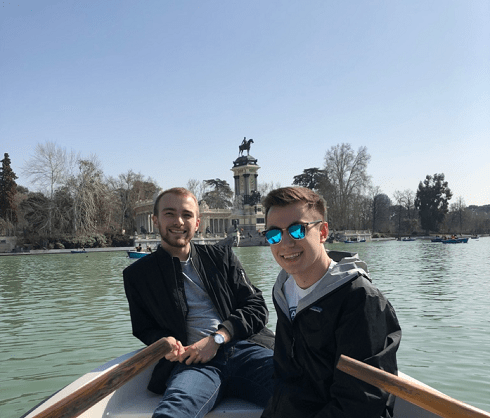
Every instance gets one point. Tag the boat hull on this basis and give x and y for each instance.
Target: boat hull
(455, 241)
(137, 254)
(133, 400)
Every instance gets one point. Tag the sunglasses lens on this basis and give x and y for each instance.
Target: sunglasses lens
(297, 231)
(273, 236)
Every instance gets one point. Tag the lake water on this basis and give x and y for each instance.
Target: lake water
(62, 315)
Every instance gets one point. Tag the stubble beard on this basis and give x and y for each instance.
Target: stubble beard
(171, 241)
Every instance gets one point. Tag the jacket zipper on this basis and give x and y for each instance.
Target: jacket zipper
(246, 281)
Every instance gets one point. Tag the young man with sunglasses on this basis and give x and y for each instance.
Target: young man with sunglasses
(326, 306)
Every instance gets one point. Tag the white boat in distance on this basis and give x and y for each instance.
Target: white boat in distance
(133, 400)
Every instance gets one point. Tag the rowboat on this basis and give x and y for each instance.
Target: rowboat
(455, 241)
(131, 400)
(137, 254)
(118, 389)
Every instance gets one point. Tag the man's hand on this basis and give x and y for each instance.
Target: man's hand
(201, 351)
(177, 349)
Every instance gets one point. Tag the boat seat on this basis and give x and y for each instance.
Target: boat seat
(133, 400)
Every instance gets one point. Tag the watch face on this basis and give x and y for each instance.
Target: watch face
(219, 339)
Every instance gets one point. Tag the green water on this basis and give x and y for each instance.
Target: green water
(63, 315)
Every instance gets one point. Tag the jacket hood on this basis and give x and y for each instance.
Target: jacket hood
(347, 267)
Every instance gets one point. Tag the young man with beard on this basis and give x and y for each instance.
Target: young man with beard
(199, 298)
(326, 306)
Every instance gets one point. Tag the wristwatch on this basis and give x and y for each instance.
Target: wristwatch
(218, 338)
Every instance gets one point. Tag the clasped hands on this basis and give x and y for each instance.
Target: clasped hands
(201, 351)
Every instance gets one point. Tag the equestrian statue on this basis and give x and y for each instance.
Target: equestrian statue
(245, 145)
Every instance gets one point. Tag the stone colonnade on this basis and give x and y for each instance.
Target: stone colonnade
(214, 221)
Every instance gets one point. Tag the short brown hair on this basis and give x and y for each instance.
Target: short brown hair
(179, 191)
(285, 196)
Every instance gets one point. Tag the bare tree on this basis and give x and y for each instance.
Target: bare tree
(409, 203)
(346, 171)
(123, 186)
(457, 212)
(35, 211)
(265, 188)
(49, 168)
(360, 216)
(88, 193)
(399, 209)
(128, 189)
(196, 187)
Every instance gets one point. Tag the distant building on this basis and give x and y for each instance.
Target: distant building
(7, 244)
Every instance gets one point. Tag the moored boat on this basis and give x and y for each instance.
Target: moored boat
(132, 399)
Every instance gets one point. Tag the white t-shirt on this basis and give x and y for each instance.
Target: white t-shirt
(294, 293)
(202, 318)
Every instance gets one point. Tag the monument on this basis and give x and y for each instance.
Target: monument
(245, 220)
(247, 213)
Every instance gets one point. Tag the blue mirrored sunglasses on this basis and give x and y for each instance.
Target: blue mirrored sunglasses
(295, 231)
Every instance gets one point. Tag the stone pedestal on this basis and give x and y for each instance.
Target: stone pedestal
(247, 214)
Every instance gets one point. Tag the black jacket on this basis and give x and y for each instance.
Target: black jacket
(155, 291)
(345, 314)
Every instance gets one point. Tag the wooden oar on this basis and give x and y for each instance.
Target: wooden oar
(95, 390)
(412, 391)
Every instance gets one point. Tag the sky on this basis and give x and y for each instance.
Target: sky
(170, 88)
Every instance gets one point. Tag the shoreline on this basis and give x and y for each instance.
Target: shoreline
(68, 251)
(197, 241)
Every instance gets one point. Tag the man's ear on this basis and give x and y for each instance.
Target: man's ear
(324, 232)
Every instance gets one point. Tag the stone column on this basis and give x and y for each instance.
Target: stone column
(247, 184)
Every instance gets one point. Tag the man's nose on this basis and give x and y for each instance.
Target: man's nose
(286, 239)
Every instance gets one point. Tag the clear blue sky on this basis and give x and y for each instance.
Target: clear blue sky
(169, 88)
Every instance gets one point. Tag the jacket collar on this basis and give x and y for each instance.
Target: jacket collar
(348, 266)
(168, 257)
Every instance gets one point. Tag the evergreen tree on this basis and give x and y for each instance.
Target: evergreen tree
(432, 201)
(221, 195)
(8, 190)
(312, 178)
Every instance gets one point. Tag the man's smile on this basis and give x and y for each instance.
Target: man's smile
(291, 256)
(177, 231)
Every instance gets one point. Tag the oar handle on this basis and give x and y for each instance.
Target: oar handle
(410, 390)
(88, 395)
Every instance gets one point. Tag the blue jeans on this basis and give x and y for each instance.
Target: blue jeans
(243, 370)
